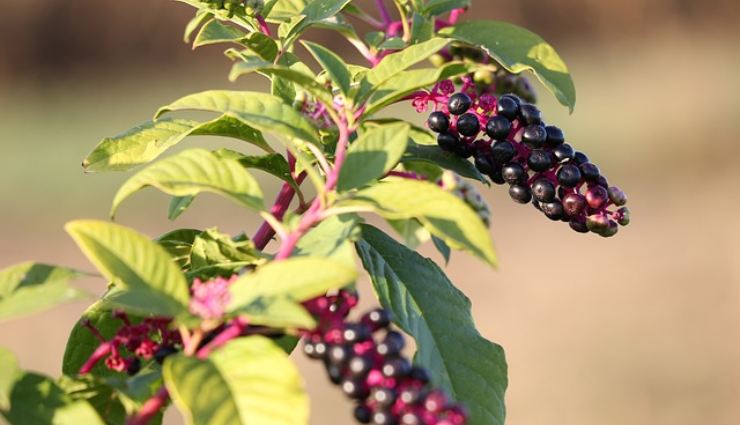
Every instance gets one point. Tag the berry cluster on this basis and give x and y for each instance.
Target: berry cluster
(365, 359)
(132, 343)
(518, 148)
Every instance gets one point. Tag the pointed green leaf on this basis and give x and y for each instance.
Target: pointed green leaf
(446, 160)
(519, 49)
(440, 7)
(192, 172)
(426, 305)
(297, 279)
(200, 18)
(147, 279)
(30, 288)
(215, 32)
(332, 238)
(373, 154)
(250, 381)
(144, 143)
(443, 214)
(262, 45)
(314, 12)
(178, 244)
(212, 247)
(37, 400)
(397, 62)
(10, 372)
(306, 81)
(262, 111)
(332, 64)
(178, 205)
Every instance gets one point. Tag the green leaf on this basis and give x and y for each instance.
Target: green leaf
(393, 43)
(192, 172)
(395, 63)
(314, 12)
(333, 64)
(422, 29)
(37, 400)
(147, 279)
(101, 397)
(306, 81)
(212, 247)
(200, 18)
(262, 45)
(426, 305)
(446, 160)
(297, 279)
(373, 154)
(519, 49)
(277, 11)
(215, 32)
(411, 231)
(30, 288)
(443, 214)
(178, 244)
(407, 82)
(274, 164)
(178, 205)
(439, 7)
(332, 239)
(144, 143)
(262, 111)
(250, 381)
(442, 248)
(10, 372)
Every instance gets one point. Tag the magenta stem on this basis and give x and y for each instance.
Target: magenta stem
(150, 408)
(103, 350)
(232, 331)
(384, 15)
(265, 233)
(263, 26)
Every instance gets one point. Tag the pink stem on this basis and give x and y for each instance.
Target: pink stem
(103, 350)
(232, 331)
(384, 15)
(263, 26)
(405, 175)
(150, 408)
(265, 233)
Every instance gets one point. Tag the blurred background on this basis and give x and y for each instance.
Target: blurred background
(641, 329)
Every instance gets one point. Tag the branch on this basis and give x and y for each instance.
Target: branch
(150, 408)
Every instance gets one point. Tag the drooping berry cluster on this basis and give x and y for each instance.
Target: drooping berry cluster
(132, 343)
(365, 359)
(518, 148)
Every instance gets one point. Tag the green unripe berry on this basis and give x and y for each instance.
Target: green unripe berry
(437, 60)
(484, 77)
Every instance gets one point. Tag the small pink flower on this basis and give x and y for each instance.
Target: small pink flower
(421, 102)
(209, 298)
(446, 87)
(487, 102)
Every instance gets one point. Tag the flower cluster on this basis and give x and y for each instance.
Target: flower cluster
(132, 343)
(518, 148)
(365, 359)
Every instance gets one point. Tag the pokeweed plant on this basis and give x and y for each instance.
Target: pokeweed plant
(207, 321)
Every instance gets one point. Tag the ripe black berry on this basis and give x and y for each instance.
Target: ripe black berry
(597, 223)
(163, 352)
(617, 196)
(498, 127)
(574, 204)
(391, 345)
(503, 151)
(377, 319)
(555, 136)
(597, 197)
(553, 210)
(383, 397)
(579, 225)
(484, 162)
(468, 125)
(134, 366)
(359, 365)
(496, 175)
(384, 417)
(540, 160)
(363, 414)
(438, 122)
(580, 158)
(563, 153)
(355, 389)
(590, 171)
(334, 372)
(534, 136)
(459, 103)
(520, 193)
(356, 333)
(410, 396)
(623, 216)
(543, 190)
(530, 114)
(420, 375)
(514, 173)
(339, 354)
(396, 368)
(508, 106)
(448, 142)
(569, 175)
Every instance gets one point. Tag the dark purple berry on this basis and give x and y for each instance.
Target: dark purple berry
(411, 418)
(579, 225)
(623, 216)
(334, 372)
(514, 173)
(355, 389)
(520, 193)
(383, 397)
(536, 204)
(603, 182)
(555, 136)
(563, 153)
(391, 345)
(503, 151)
(580, 158)
(484, 162)
(359, 365)
(540, 160)
(597, 197)
(534, 136)
(438, 122)
(448, 142)
(396, 368)
(459, 103)
(468, 125)
(597, 223)
(590, 172)
(377, 319)
(543, 190)
(553, 210)
(617, 196)
(420, 375)
(315, 350)
(530, 114)
(574, 204)
(498, 127)
(496, 176)
(508, 106)
(611, 230)
(363, 414)
(134, 366)
(384, 417)
(410, 396)
(163, 352)
(356, 333)
(435, 401)
(465, 150)
(569, 175)
(339, 354)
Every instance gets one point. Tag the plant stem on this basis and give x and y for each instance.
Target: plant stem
(383, 12)
(263, 26)
(232, 331)
(150, 408)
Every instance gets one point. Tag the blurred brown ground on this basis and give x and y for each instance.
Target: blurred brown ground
(641, 329)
